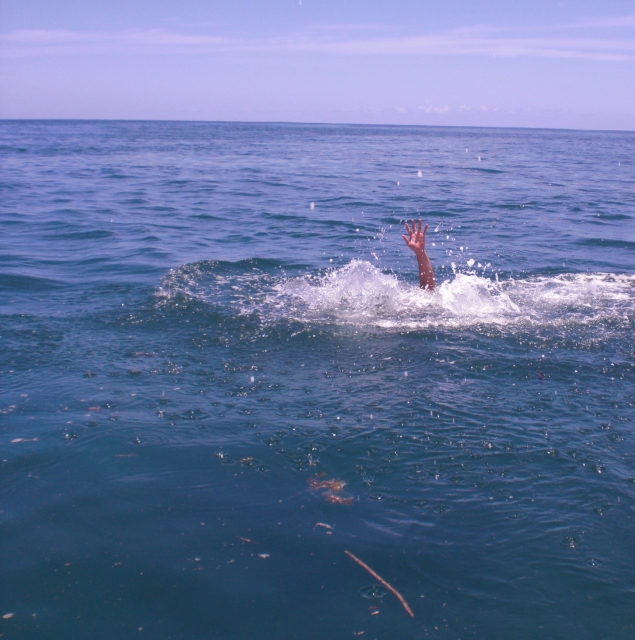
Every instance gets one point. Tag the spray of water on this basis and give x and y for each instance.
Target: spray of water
(362, 295)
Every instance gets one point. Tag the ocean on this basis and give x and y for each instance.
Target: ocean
(219, 375)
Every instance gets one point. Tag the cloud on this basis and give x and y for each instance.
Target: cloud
(340, 40)
(605, 23)
(366, 26)
(132, 38)
(474, 44)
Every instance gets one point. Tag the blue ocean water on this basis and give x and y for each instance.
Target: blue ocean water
(219, 374)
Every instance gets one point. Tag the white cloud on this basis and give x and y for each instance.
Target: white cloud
(429, 108)
(470, 44)
(365, 26)
(152, 37)
(605, 23)
(341, 40)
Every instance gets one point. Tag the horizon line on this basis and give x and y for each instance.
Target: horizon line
(317, 124)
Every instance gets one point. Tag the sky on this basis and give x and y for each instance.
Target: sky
(538, 63)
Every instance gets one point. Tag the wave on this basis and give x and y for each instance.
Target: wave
(612, 243)
(20, 283)
(361, 295)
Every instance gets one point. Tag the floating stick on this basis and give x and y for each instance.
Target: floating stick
(380, 579)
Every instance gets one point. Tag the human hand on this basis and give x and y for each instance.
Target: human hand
(416, 238)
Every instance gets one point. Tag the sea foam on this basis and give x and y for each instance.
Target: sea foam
(363, 295)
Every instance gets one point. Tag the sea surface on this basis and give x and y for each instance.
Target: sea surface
(218, 374)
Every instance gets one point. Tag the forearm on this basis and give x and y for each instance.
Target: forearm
(426, 273)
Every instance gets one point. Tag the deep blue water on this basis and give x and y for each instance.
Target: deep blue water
(194, 358)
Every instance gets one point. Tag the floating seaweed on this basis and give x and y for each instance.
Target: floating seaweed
(383, 582)
(332, 485)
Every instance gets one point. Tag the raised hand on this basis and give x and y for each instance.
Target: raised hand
(416, 240)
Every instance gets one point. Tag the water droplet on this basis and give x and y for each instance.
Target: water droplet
(373, 592)
(570, 542)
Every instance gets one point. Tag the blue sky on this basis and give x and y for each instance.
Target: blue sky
(451, 62)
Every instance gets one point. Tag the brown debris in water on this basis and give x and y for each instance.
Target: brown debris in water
(333, 485)
(382, 581)
(334, 499)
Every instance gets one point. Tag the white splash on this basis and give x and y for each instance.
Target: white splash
(362, 295)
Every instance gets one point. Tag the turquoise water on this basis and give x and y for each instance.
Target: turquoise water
(218, 374)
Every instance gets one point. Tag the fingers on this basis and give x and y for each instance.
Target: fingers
(407, 239)
(415, 229)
